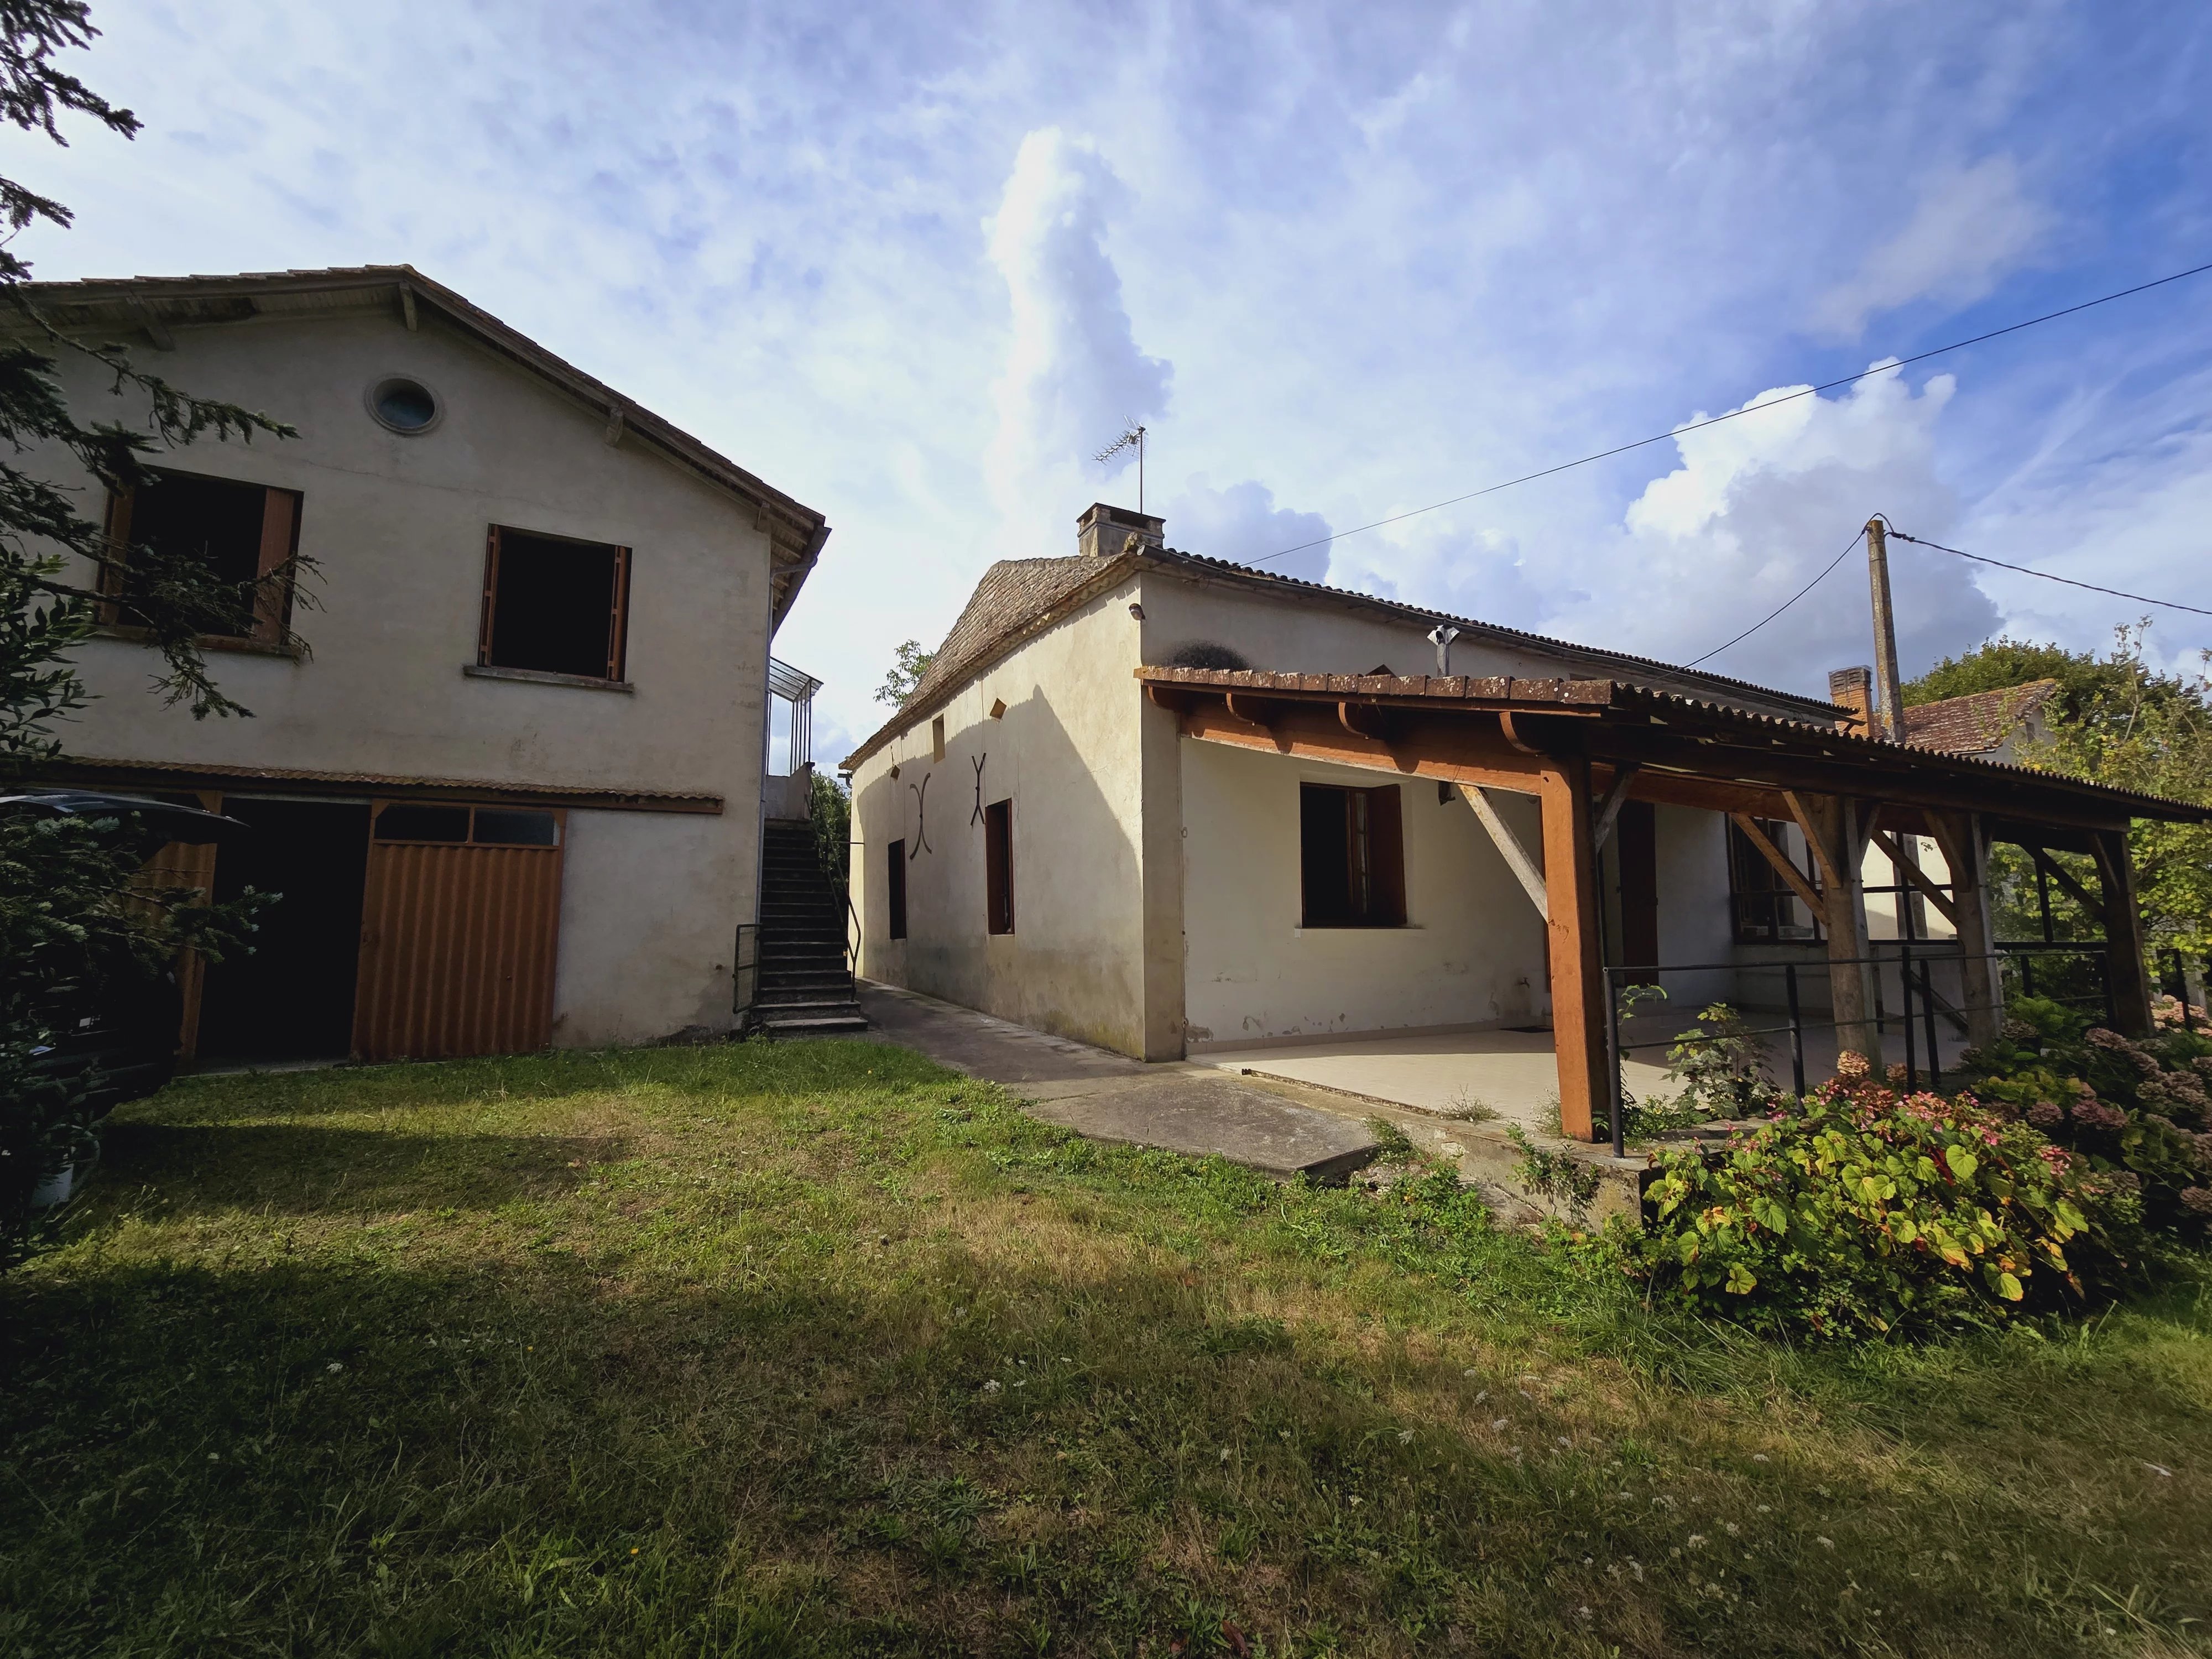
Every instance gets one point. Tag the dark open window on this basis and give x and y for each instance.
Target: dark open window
(555, 605)
(898, 890)
(1352, 852)
(1765, 910)
(245, 533)
(999, 865)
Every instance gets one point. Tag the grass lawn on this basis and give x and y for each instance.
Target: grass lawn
(817, 1348)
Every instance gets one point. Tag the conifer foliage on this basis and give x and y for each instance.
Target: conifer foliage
(75, 919)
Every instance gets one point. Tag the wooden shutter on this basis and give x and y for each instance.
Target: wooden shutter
(1386, 859)
(999, 864)
(618, 616)
(458, 943)
(280, 544)
(898, 906)
(490, 596)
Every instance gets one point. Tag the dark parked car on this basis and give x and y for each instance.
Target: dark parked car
(125, 1043)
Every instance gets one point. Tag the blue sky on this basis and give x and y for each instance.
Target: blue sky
(913, 263)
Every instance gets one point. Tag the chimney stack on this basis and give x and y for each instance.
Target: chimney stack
(1103, 531)
(1854, 689)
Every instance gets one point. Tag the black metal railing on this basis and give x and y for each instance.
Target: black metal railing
(1922, 1004)
(745, 975)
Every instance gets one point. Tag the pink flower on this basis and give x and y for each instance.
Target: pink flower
(2046, 1114)
(2199, 1199)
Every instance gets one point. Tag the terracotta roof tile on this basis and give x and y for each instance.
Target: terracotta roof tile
(1977, 722)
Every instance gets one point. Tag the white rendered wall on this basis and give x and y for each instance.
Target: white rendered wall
(1068, 753)
(649, 919)
(1472, 953)
(396, 526)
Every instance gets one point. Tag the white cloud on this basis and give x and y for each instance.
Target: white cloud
(1243, 523)
(1974, 225)
(1756, 507)
(1073, 373)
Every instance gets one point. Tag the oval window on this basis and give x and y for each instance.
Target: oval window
(405, 406)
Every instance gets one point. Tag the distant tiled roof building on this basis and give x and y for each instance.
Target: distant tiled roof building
(1981, 722)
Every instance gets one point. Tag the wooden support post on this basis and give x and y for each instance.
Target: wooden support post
(1571, 905)
(1509, 848)
(2123, 939)
(1967, 850)
(1833, 824)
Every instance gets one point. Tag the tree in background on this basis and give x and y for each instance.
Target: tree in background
(2119, 722)
(74, 923)
(908, 664)
(832, 809)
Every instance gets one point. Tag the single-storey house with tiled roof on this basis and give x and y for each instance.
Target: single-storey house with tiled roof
(1175, 805)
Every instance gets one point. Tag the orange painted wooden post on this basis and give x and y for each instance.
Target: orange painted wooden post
(1571, 899)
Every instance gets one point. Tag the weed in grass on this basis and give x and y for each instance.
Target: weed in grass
(816, 1348)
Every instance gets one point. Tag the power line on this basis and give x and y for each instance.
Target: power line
(1750, 409)
(1979, 558)
(1787, 602)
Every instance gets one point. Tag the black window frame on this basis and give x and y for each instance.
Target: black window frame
(999, 867)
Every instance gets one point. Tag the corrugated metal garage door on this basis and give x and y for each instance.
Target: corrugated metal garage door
(459, 933)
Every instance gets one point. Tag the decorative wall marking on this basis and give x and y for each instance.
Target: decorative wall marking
(921, 818)
(978, 813)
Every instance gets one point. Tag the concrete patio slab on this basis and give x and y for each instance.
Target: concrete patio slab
(1196, 1110)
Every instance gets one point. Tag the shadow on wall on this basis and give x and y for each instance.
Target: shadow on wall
(1074, 963)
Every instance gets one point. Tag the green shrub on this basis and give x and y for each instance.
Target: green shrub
(1863, 1212)
(2135, 1111)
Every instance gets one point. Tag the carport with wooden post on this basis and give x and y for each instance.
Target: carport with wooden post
(1584, 749)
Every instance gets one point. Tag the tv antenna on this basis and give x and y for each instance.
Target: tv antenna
(1132, 438)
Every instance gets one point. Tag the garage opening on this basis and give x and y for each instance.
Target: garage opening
(293, 998)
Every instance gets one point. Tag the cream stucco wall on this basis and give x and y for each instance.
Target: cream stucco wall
(1069, 752)
(1471, 953)
(396, 526)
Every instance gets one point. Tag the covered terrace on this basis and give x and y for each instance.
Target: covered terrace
(1583, 748)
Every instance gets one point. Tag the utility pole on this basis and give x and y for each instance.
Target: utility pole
(1885, 632)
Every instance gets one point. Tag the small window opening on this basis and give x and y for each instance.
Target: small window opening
(898, 890)
(555, 605)
(241, 533)
(423, 824)
(999, 865)
(402, 405)
(1352, 856)
(937, 737)
(482, 826)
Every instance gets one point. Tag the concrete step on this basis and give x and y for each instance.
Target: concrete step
(825, 1026)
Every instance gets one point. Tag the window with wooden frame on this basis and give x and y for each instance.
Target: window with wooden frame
(999, 867)
(897, 905)
(248, 534)
(1763, 909)
(1352, 856)
(553, 604)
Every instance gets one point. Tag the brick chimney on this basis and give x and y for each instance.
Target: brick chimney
(1854, 689)
(1102, 531)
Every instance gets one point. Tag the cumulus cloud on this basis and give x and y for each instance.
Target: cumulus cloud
(1971, 226)
(1243, 523)
(1074, 372)
(1757, 506)
(1457, 568)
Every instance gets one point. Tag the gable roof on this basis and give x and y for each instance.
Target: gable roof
(1019, 598)
(152, 305)
(1979, 721)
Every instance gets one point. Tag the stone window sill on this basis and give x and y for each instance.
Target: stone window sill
(541, 676)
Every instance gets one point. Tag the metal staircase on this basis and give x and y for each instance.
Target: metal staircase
(805, 984)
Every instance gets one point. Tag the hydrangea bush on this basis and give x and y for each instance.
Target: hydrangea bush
(1865, 1210)
(2135, 1111)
